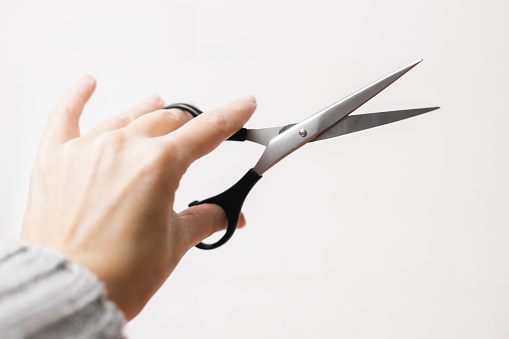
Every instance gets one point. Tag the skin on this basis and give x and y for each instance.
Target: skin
(105, 198)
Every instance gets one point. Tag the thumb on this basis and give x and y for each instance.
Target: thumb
(199, 222)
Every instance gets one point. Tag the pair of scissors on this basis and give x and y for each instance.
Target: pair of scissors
(330, 122)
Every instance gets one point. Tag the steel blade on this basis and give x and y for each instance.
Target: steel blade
(305, 131)
(262, 136)
(360, 122)
(350, 124)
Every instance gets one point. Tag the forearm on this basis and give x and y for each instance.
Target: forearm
(42, 295)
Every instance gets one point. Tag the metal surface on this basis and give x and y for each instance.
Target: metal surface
(355, 123)
(262, 136)
(290, 140)
(360, 122)
(349, 124)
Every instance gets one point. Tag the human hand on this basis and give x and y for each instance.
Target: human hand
(105, 199)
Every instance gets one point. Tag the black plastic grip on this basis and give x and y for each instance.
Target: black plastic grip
(231, 202)
(186, 107)
(239, 136)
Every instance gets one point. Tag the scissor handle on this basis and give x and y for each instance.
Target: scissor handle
(239, 136)
(232, 199)
(231, 202)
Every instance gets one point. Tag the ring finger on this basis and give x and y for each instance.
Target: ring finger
(151, 104)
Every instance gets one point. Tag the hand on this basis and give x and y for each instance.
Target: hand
(105, 199)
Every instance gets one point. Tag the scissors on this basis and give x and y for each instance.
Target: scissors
(279, 142)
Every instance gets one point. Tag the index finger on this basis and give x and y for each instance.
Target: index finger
(204, 133)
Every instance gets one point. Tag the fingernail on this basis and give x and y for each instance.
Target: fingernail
(249, 98)
(155, 99)
(86, 78)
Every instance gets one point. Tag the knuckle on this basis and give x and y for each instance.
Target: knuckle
(220, 123)
(173, 116)
(115, 122)
(121, 120)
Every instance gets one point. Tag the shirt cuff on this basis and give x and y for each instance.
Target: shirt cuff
(43, 295)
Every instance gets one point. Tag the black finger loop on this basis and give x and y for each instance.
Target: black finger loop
(239, 136)
(231, 202)
(232, 199)
(186, 107)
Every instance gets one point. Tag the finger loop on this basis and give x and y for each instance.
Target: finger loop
(186, 107)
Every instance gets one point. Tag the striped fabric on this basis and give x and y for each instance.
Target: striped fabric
(42, 295)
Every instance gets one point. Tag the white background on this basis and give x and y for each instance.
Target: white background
(396, 232)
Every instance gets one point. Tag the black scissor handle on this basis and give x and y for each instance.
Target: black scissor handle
(231, 202)
(232, 199)
(186, 107)
(239, 136)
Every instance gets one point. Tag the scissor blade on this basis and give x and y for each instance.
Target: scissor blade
(293, 138)
(262, 136)
(350, 124)
(360, 122)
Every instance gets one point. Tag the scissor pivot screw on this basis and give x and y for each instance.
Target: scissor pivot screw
(303, 132)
